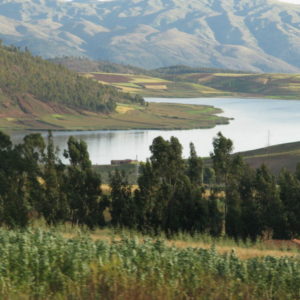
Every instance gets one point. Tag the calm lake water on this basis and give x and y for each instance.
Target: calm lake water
(256, 123)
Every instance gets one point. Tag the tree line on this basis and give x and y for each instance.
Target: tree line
(173, 193)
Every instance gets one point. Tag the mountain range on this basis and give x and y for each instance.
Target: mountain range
(251, 35)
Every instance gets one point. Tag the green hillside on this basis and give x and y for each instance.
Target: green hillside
(24, 76)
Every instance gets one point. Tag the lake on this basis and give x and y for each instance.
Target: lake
(257, 123)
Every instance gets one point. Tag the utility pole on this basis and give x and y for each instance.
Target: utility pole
(137, 168)
(268, 145)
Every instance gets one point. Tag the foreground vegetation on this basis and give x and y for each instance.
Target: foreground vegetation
(45, 265)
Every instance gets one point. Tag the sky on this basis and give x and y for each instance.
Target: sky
(287, 1)
(291, 1)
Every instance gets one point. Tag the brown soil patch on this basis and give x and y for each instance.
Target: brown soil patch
(283, 244)
(297, 242)
(201, 77)
(111, 78)
(37, 124)
(31, 106)
(152, 83)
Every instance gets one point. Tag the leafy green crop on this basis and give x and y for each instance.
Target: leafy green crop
(45, 265)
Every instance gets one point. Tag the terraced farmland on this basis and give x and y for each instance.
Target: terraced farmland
(154, 86)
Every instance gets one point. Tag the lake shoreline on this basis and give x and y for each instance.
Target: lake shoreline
(154, 116)
(254, 120)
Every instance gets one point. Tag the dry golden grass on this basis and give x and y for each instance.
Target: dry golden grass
(242, 252)
(208, 193)
(106, 188)
(122, 109)
(155, 87)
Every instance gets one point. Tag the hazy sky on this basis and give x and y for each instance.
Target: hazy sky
(288, 1)
(291, 1)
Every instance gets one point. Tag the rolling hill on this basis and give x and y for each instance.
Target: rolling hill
(271, 85)
(33, 91)
(38, 94)
(252, 35)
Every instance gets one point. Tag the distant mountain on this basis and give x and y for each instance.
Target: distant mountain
(252, 35)
(83, 64)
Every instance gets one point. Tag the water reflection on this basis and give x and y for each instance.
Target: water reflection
(253, 120)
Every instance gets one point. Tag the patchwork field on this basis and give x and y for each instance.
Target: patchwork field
(277, 86)
(154, 86)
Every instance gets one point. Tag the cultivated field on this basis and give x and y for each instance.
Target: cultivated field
(275, 86)
(154, 86)
(43, 264)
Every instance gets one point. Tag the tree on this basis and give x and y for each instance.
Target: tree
(215, 216)
(221, 157)
(195, 167)
(83, 188)
(145, 200)
(272, 213)
(209, 176)
(233, 210)
(123, 211)
(250, 215)
(14, 196)
(55, 206)
(222, 163)
(290, 197)
(32, 153)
